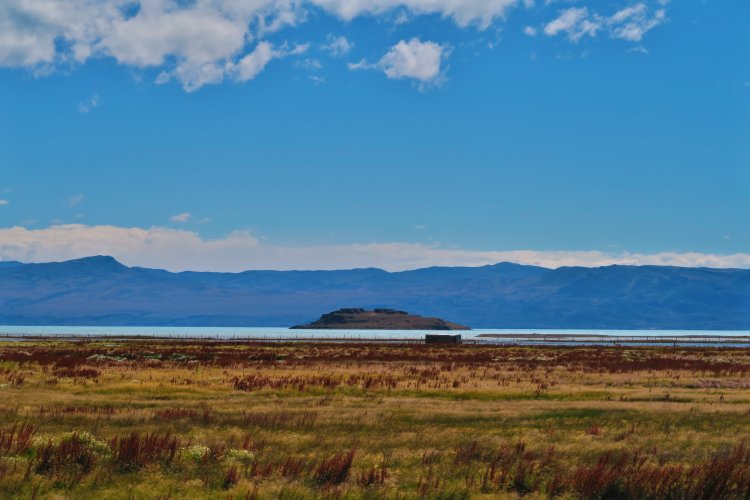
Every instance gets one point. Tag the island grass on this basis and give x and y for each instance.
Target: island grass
(169, 419)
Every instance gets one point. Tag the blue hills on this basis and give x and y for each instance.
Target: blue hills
(101, 291)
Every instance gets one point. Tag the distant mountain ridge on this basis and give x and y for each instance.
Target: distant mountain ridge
(101, 291)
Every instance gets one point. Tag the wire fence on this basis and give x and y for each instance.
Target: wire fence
(512, 339)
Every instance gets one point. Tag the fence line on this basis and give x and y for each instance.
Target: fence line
(512, 339)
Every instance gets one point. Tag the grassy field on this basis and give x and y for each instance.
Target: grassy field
(146, 419)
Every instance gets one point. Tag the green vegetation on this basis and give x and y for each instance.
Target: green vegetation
(171, 419)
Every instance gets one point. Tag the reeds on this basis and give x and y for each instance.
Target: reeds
(135, 450)
(202, 415)
(85, 372)
(630, 475)
(71, 454)
(335, 469)
(16, 439)
(86, 359)
(231, 477)
(256, 382)
(280, 419)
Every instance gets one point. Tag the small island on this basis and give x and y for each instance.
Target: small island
(378, 319)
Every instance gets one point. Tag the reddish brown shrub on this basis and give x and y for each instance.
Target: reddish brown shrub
(17, 439)
(136, 450)
(335, 469)
(71, 454)
(76, 372)
(231, 478)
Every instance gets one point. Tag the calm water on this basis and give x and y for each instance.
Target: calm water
(585, 336)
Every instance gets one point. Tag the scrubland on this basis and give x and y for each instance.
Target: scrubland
(176, 419)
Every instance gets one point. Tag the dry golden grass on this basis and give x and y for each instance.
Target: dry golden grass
(250, 420)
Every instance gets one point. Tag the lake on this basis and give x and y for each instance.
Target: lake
(500, 335)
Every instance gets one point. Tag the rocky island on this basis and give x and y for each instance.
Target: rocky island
(378, 319)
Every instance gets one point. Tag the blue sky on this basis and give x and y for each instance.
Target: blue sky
(227, 135)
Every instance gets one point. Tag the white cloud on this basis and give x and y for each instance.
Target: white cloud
(197, 43)
(195, 76)
(337, 46)
(201, 42)
(413, 59)
(4, 202)
(575, 22)
(29, 30)
(249, 66)
(630, 23)
(402, 18)
(421, 61)
(179, 250)
(530, 30)
(183, 217)
(566, 20)
(464, 12)
(195, 39)
(195, 36)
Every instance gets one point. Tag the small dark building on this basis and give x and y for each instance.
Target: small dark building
(432, 338)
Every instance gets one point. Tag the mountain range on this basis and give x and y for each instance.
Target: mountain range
(101, 291)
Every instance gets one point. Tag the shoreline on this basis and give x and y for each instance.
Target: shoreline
(483, 339)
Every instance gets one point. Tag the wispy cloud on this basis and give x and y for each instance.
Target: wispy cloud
(183, 217)
(575, 22)
(337, 46)
(179, 250)
(479, 13)
(75, 200)
(4, 202)
(194, 76)
(249, 66)
(317, 80)
(630, 23)
(89, 104)
(310, 64)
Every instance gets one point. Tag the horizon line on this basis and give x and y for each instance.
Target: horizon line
(373, 268)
